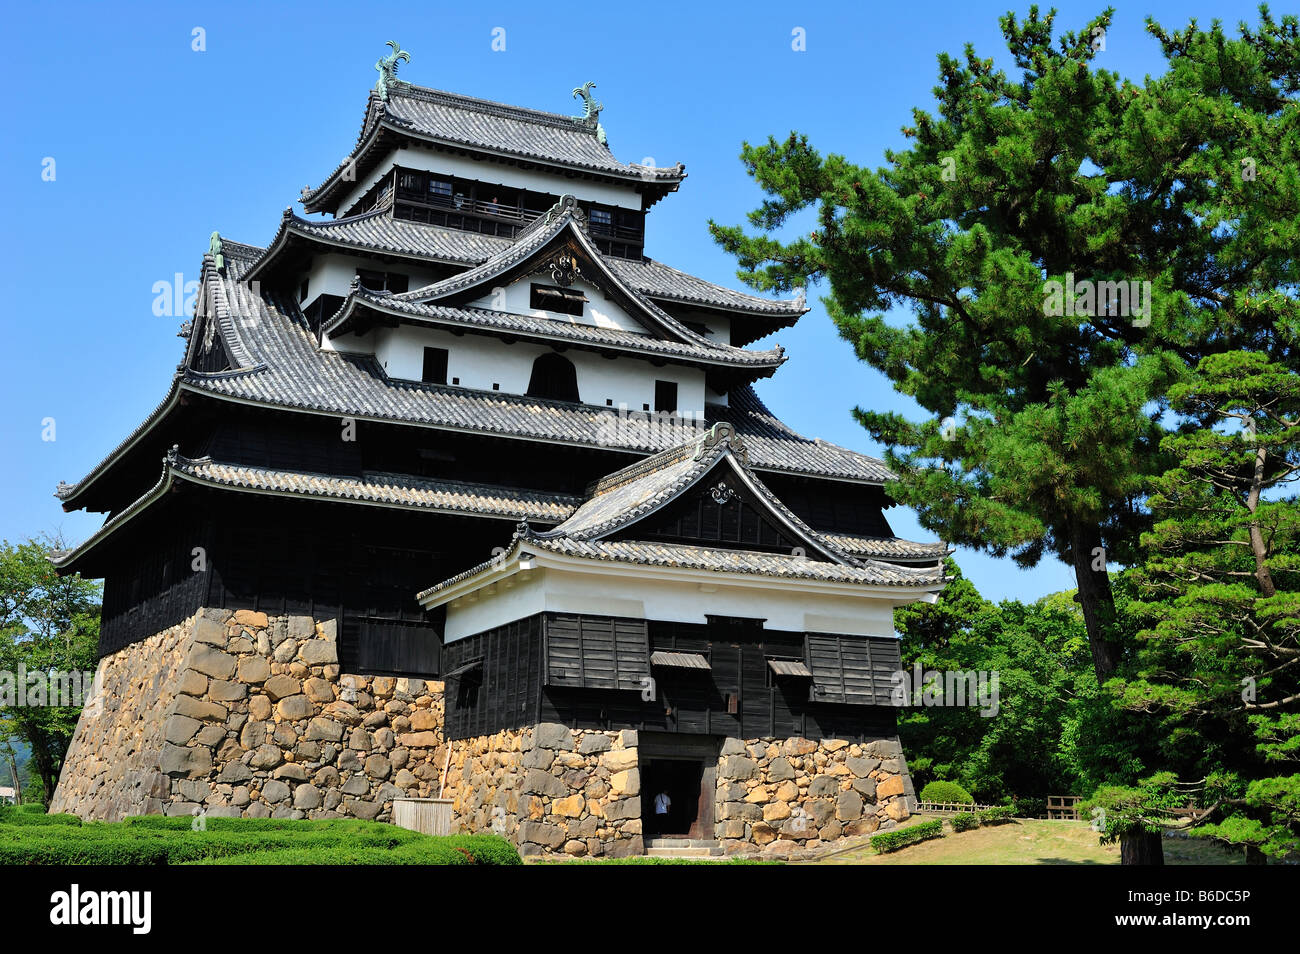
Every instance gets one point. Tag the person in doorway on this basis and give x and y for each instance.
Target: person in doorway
(663, 805)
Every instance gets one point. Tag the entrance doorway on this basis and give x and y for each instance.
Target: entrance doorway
(680, 780)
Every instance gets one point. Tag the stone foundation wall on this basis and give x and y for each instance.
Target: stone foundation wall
(551, 789)
(786, 795)
(238, 714)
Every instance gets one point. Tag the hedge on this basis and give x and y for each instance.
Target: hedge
(996, 816)
(964, 821)
(166, 841)
(938, 791)
(893, 840)
(31, 819)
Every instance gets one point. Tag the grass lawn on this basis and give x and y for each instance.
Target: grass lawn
(1029, 842)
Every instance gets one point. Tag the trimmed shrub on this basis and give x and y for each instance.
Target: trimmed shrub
(30, 808)
(946, 792)
(893, 840)
(964, 821)
(1029, 807)
(31, 819)
(996, 816)
(171, 841)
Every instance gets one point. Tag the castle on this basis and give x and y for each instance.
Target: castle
(456, 493)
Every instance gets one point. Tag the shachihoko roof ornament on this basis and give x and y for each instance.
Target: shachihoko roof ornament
(387, 67)
(590, 111)
(214, 249)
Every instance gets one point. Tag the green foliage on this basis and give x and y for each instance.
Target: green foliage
(1055, 732)
(894, 840)
(34, 819)
(1217, 671)
(964, 821)
(940, 791)
(48, 624)
(998, 815)
(156, 840)
(1029, 807)
(1119, 811)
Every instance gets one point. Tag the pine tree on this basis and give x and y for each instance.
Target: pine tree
(1221, 665)
(1022, 228)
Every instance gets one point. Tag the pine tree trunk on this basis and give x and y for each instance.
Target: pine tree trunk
(1095, 597)
(1142, 848)
(1254, 856)
(13, 773)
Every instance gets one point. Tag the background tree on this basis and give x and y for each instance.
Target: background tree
(1054, 731)
(1220, 668)
(48, 624)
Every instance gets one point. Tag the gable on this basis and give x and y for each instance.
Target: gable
(540, 296)
(719, 511)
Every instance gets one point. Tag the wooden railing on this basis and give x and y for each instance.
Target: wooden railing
(1063, 807)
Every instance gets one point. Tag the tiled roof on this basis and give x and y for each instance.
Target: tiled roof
(626, 496)
(449, 496)
(442, 496)
(774, 446)
(377, 230)
(889, 548)
(287, 369)
(497, 129)
(531, 326)
(740, 561)
(715, 559)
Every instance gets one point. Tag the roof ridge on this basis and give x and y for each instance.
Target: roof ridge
(489, 106)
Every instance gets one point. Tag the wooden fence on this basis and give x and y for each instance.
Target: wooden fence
(950, 808)
(1063, 807)
(429, 816)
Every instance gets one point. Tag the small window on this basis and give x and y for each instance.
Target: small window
(435, 366)
(467, 692)
(371, 281)
(393, 282)
(439, 190)
(666, 396)
(602, 221)
(565, 301)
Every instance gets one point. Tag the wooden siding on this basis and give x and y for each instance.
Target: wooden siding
(852, 669)
(595, 652)
(737, 696)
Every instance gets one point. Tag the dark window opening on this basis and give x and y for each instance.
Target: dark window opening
(467, 692)
(666, 396)
(302, 291)
(435, 366)
(554, 377)
(602, 221)
(566, 301)
(393, 282)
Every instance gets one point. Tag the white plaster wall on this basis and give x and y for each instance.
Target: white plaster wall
(427, 160)
(564, 591)
(480, 361)
(331, 273)
(598, 312)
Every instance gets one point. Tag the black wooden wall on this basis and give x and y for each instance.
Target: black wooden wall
(503, 679)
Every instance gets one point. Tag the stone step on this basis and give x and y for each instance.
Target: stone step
(682, 848)
(684, 852)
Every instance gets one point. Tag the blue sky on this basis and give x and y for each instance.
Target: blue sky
(156, 144)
